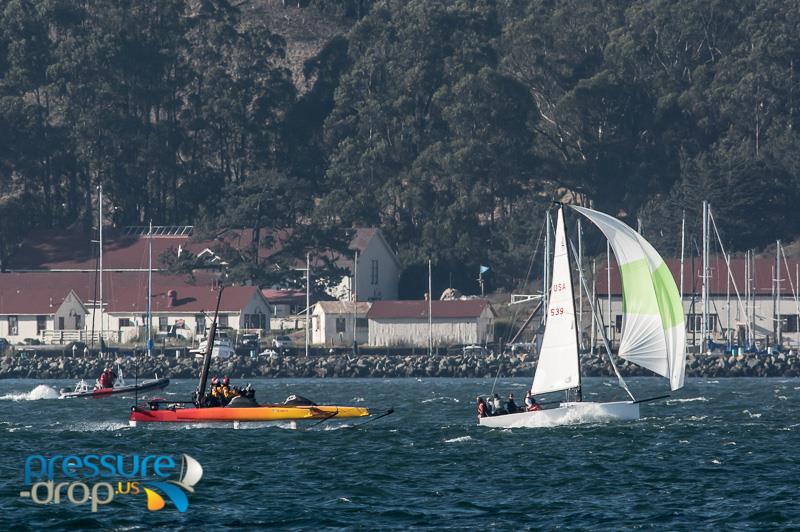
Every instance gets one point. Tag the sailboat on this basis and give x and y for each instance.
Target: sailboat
(653, 329)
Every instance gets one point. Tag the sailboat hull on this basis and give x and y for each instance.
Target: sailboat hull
(566, 414)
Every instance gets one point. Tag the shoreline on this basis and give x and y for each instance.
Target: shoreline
(378, 366)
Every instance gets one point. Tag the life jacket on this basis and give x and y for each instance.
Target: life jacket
(534, 408)
(481, 409)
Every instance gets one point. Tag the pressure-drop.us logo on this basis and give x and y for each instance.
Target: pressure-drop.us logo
(97, 479)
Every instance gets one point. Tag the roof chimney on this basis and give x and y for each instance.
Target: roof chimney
(172, 296)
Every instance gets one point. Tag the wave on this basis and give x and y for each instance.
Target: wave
(459, 439)
(687, 400)
(432, 399)
(98, 426)
(42, 391)
(751, 414)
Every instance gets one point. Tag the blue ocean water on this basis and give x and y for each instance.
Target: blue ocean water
(719, 454)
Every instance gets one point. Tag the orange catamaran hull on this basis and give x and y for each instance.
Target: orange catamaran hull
(255, 413)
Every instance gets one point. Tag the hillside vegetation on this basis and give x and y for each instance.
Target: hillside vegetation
(451, 125)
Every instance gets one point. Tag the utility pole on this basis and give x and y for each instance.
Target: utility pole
(308, 299)
(430, 310)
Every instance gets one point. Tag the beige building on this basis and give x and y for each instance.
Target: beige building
(333, 323)
(728, 318)
(453, 322)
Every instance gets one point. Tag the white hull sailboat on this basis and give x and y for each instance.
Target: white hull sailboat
(653, 332)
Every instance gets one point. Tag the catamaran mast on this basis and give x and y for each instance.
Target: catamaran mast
(149, 287)
(212, 333)
(100, 229)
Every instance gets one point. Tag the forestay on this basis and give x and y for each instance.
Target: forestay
(558, 367)
(653, 329)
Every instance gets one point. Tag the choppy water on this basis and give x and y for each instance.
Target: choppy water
(720, 454)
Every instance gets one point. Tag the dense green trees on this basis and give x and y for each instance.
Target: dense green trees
(451, 125)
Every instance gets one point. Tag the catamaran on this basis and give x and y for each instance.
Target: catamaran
(240, 409)
(653, 330)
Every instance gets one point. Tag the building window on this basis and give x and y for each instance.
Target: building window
(361, 323)
(223, 320)
(61, 323)
(694, 322)
(374, 272)
(41, 324)
(618, 323)
(13, 327)
(341, 325)
(199, 323)
(788, 323)
(163, 325)
(124, 322)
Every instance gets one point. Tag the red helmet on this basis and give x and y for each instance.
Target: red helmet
(215, 381)
(226, 381)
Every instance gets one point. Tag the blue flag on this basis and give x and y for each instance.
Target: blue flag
(484, 269)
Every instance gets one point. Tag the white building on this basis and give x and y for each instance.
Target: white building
(453, 322)
(376, 274)
(728, 317)
(59, 307)
(333, 323)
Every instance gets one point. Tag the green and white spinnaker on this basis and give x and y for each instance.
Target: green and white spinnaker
(653, 328)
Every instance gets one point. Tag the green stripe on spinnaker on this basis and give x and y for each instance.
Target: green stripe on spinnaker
(669, 301)
(637, 297)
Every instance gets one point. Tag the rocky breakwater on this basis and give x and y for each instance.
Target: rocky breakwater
(378, 366)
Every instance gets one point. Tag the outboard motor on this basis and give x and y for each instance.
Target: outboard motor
(298, 400)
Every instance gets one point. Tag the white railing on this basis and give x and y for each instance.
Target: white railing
(66, 336)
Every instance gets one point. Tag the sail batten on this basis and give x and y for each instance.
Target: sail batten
(653, 331)
(558, 367)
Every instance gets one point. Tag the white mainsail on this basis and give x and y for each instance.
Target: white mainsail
(558, 367)
(653, 327)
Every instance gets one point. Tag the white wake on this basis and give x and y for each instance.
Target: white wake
(42, 391)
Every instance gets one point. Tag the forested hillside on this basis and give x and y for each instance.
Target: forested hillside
(450, 125)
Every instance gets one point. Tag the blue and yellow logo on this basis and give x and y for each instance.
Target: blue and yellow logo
(149, 474)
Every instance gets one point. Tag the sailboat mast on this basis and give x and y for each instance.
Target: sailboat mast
(778, 295)
(100, 229)
(683, 247)
(546, 265)
(580, 280)
(608, 285)
(704, 323)
(728, 304)
(592, 301)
